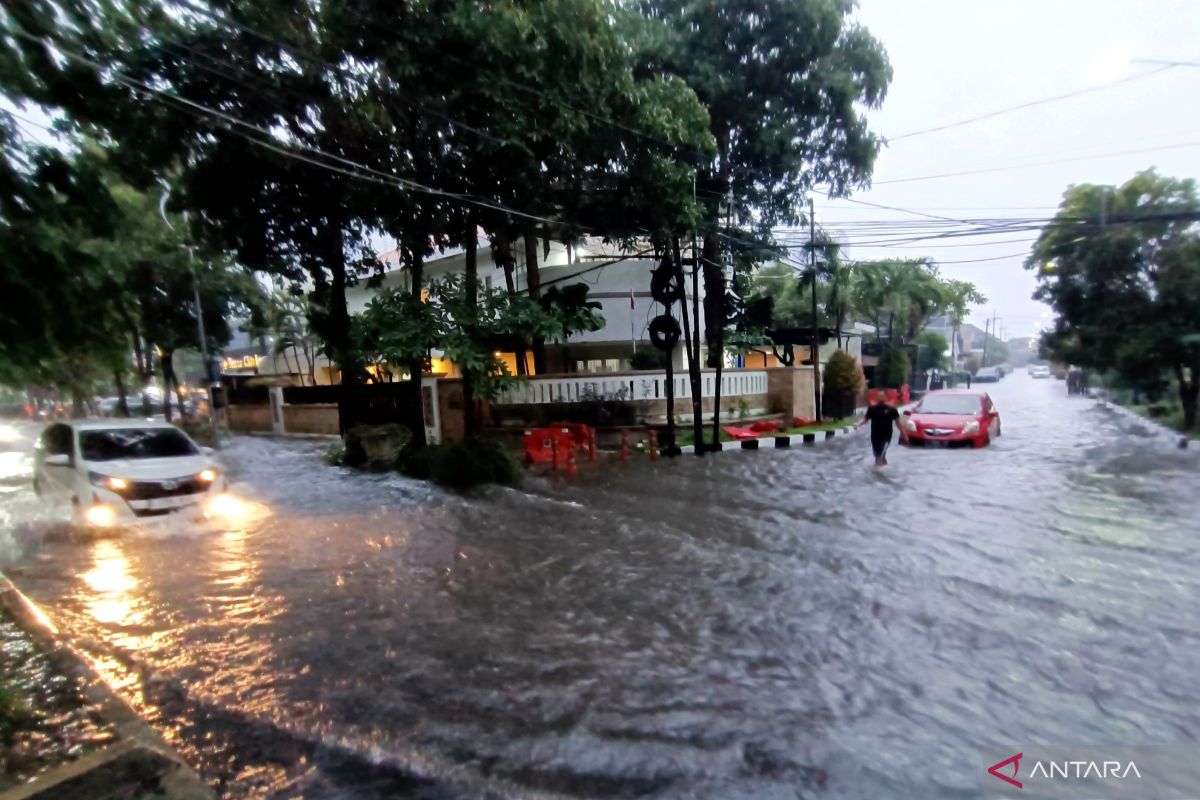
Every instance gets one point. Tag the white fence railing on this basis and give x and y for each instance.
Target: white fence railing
(629, 386)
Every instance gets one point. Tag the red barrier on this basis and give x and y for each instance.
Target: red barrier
(904, 394)
(579, 432)
(623, 453)
(872, 396)
(653, 446)
(763, 426)
(542, 446)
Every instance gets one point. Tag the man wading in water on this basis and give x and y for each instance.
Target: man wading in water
(881, 416)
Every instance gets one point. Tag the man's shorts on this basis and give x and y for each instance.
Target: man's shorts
(880, 446)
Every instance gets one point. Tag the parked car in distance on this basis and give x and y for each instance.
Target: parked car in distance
(112, 472)
(988, 375)
(952, 416)
(1039, 372)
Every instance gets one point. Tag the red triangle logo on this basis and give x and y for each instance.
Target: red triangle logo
(994, 770)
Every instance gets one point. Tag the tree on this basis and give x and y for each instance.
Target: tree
(931, 353)
(1121, 267)
(960, 296)
(898, 295)
(784, 83)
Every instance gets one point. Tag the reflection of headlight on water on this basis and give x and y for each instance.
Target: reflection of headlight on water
(100, 515)
(233, 509)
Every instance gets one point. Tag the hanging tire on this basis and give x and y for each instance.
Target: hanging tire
(664, 332)
(665, 284)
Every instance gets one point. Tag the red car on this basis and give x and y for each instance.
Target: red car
(952, 417)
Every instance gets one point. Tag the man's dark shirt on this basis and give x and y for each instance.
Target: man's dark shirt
(881, 417)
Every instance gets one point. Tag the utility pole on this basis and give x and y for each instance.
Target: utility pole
(986, 324)
(212, 411)
(814, 349)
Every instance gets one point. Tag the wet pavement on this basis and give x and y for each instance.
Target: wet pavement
(781, 623)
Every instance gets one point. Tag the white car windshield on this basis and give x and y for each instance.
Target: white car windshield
(949, 404)
(109, 445)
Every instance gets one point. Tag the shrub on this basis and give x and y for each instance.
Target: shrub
(892, 370)
(843, 374)
(461, 466)
(335, 454)
(842, 384)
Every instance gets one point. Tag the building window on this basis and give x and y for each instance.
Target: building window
(599, 365)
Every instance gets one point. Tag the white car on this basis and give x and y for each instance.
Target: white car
(1039, 372)
(113, 472)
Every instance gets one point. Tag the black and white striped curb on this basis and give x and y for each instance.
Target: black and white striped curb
(768, 442)
(1154, 426)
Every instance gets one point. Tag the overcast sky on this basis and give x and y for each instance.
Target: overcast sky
(956, 59)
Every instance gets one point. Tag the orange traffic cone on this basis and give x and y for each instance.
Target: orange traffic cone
(653, 446)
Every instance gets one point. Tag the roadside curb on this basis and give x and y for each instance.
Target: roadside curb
(777, 442)
(139, 764)
(1157, 427)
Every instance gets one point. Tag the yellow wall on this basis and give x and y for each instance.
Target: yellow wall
(509, 360)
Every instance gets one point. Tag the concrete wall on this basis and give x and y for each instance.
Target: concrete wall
(318, 418)
(249, 418)
(790, 391)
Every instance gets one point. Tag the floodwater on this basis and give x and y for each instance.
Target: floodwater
(751, 625)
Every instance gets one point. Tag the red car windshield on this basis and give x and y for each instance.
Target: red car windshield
(950, 404)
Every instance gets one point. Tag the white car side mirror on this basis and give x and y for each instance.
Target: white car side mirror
(60, 460)
(208, 451)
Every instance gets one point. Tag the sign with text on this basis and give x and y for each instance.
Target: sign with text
(1092, 772)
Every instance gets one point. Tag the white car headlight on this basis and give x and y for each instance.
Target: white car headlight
(108, 481)
(908, 424)
(971, 427)
(208, 475)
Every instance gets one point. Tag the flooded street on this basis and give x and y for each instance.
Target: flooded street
(786, 623)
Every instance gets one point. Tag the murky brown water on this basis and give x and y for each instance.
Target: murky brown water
(759, 625)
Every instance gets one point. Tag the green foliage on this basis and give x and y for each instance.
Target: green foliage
(648, 358)
(899, 296)
(1119, 266)
(843, 373)
(461, 466)
(397, 328)
(892, 370)
(932, 352)
(335, 454)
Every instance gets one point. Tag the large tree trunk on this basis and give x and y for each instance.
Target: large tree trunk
(122, 403)
(1189, 391)
(338, 322)
(693, 359)
(714, 323)
(164, 361)
(471, 288)
(173, 380)
(533, 279)
(142, 358)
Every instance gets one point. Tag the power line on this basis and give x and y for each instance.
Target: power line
(1040, 163)
(1031, 104)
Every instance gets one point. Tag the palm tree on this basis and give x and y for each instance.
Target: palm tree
(960, 296)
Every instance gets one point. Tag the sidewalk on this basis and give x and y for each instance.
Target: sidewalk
(71, 736)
